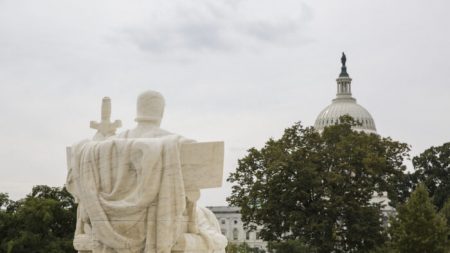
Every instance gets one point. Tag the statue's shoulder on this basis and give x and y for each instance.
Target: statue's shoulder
(124, 134)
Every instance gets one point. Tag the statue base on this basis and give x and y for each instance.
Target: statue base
(188, 243)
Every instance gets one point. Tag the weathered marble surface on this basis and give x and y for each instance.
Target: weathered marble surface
(137, 191)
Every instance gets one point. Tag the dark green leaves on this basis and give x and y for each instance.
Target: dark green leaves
(44, 222)
(433, 169)
(418, 228)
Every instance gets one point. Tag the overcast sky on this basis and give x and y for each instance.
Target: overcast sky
(234, 70)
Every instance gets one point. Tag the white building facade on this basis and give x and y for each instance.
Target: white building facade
(232, 227)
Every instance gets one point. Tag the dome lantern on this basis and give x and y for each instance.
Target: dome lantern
(345, 104)
(344, 82)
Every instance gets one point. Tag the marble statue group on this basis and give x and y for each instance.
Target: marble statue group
(137, 191)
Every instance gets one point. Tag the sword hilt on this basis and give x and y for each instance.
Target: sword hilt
(106, 109)
(105, 127)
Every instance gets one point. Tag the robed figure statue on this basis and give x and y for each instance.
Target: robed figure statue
(137, 191)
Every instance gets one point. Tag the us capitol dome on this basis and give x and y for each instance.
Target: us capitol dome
(345, 104)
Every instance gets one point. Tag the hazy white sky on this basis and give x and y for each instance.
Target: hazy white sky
(234, 70)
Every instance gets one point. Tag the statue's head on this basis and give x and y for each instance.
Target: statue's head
(150, 107)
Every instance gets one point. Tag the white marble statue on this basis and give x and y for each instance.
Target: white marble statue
(137, 191)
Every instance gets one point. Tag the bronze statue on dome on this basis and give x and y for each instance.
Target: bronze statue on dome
(343, 59)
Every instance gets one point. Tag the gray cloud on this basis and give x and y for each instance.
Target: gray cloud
(220, 26)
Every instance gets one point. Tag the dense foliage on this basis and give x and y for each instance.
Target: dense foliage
(445, 212)
(43, 222)
(242, 248)
(418, 228)
(290, 246)
(317, 188)
(432, 167)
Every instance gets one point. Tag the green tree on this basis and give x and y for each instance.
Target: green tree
(445, 212)
(385, 248)
(432, 167)
(317, 187)
(6, 219)
(4, 200)
(291, 246)
(418, 228)
(44, 221)
(241, 248)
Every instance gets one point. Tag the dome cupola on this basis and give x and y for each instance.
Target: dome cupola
(345, 104)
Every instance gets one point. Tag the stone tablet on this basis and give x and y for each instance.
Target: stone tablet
(202, 164)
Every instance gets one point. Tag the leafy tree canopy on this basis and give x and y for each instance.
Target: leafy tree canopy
(242, 248)
(418, 228)
(317, 187)
(432, 167)
(291, 246)
(43, 222)
(445, 212)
